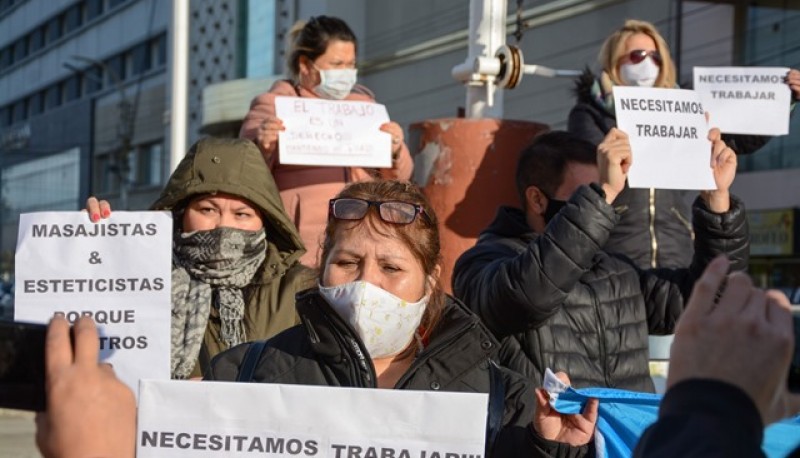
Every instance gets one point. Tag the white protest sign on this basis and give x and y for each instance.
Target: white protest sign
(668, 135)
(745, 100)
(117, 270)
(333, 133)
(224, 419)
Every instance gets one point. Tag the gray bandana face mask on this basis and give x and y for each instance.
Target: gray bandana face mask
(211, 268)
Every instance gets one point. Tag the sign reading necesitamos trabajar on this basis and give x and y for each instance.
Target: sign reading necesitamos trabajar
(222, 419)
(745, 100)
(333, 133)
(668, 135)
(118, 271)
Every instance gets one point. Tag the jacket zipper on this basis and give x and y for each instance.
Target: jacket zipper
(601, 337)
(429, 354)
(653, 241)
(683, 221)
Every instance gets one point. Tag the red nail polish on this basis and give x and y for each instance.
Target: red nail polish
(106, 213)
(95, 217)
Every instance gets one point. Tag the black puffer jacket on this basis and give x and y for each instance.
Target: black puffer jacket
(560, 301)
(457, 358)
(654, 228)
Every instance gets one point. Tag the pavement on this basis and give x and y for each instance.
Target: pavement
(17, 432)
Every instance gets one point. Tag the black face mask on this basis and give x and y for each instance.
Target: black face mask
(552, 209)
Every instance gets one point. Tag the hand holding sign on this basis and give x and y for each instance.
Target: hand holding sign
(793, 80)
(614, 159)
(89, 411)
(723, 165)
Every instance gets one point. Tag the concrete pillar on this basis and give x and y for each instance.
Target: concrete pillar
(466, 167)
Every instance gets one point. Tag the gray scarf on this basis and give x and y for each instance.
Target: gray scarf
(210, 268)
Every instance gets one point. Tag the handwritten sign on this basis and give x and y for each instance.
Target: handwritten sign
(224, 419)
(118, 271)
(333, 133)
(668, 135)
(745, 100)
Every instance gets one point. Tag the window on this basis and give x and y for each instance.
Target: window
(148, 165)
(115, 3)
(94, 8)
(72, 18)
(142, 60)
(50, 183)
(116, 70)
(5, 116)
(53, 29)
(36, 39)
(72, 88)
(105, 177)
(52, 96)
(36, 103)
(5, 57)
(20, 49)
(161, 45)
(19, 111)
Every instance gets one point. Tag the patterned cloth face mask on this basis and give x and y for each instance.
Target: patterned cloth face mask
(385, 323)
(336, 83)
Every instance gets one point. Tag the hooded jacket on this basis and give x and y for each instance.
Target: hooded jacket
(326, 351)
(655, 224)
(235, 167)
(560, 301)
(305, 190)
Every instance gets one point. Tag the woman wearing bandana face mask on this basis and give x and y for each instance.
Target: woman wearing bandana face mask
(235, 253)
(321, 64)
(655, 226)
(379, 319)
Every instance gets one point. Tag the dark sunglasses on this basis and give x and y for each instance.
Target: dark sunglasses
(638, 55)
(395, 212)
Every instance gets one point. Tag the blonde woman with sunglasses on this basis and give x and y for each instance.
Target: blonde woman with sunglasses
(655, 224)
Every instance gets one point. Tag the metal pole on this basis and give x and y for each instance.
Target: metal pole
(487, 32)
(179, 84)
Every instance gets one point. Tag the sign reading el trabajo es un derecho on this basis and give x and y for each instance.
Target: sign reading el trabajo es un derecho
(118, 271)
(341, 133)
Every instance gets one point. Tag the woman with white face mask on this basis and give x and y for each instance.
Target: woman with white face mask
(654, 229)
(379, 319)
(321, 64)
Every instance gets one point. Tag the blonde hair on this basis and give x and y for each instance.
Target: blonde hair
(614, 48)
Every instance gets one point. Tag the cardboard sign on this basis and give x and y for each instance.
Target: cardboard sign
(668, 135)
(224, 419)
(333, 133)
(745, 100)
(117, 270)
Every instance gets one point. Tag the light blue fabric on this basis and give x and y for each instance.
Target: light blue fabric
(624, 415)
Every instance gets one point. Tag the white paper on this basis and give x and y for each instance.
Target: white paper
(333, 133)
(745, 100)
(668, 135)
(190, 419)
(118, 270)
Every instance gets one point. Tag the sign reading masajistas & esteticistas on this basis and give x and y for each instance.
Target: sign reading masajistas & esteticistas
(118, 271)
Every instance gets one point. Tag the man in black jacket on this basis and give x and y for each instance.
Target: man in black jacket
(729, 360)
(540, 279)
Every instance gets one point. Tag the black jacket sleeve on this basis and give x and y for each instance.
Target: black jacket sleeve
(667, 290)
(703, 418)
(513, 290)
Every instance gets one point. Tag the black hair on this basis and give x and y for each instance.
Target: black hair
(543, 162)
(311, 39)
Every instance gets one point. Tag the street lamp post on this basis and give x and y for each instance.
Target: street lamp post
(127, 119)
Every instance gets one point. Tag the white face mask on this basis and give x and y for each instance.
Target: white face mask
(336, 83)
(643, 74)
(385, 323)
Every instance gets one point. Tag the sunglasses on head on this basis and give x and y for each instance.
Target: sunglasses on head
(395, 212)
(638, 55)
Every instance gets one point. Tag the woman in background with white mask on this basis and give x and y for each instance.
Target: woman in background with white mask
(321, 63)
(379, 319)
(654, 229)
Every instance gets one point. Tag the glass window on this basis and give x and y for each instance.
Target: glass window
(19, 111)
(142, 60)
(105, 177)
(5, 57)
(148, 165)
(20, 49)
(72, 88)
(94, 79)
(50, 183)
(72, 18)
(52, 96)
(161, 44)
(5, 116)
(35, 104)
(36, 40)
(53, 29)
(116, 70)
(94, 8)
(115, 3)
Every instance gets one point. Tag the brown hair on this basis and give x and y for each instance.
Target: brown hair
(421, 237)
(614, 48)
(311, 39)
